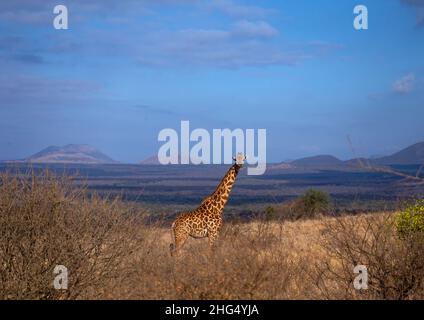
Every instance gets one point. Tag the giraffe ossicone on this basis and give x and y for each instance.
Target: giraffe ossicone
(206, 220)
(240, 158)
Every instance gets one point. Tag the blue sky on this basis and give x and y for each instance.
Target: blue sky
(125, 70)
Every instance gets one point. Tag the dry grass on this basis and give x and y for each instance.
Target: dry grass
(110, 253)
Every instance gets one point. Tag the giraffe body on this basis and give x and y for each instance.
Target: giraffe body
(206, 220)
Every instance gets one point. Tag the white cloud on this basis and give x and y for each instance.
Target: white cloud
(405, 84)
(231, 8)
(248, 40)
(245, 43)
(254, 29)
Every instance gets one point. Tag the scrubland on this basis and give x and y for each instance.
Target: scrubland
(112, 250)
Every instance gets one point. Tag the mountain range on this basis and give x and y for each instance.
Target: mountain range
(71, 153)
(86, 154)
(413, 154)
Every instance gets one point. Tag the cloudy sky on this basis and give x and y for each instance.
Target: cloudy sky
(126, 69)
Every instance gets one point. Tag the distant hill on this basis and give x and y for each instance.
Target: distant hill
(71, 153)
(320, 161)
(411, 155)
(282, 165)
(152, 160)
(363, 163)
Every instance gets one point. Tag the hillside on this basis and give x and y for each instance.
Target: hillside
(72, 153)
(152, 160)
(411, 155)
(320, 161)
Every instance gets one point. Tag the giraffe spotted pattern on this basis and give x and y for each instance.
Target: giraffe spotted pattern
(206, 219)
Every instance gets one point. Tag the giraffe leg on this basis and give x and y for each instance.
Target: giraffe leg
(212, 237)
(173, 239)
(177, 238)
(180, 239)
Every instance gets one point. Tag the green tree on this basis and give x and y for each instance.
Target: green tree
(270, 213)
(313, 202)
(410, 220)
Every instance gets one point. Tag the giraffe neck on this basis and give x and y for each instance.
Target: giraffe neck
(222, 192)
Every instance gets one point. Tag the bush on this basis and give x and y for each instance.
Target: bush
(270, 213)
(44, 222)
(395, 268)
(313, 202)
(410, 220)
(249, 263)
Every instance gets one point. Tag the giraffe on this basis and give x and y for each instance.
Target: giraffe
(206, 219)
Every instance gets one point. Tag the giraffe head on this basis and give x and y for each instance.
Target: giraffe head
(239, 160)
